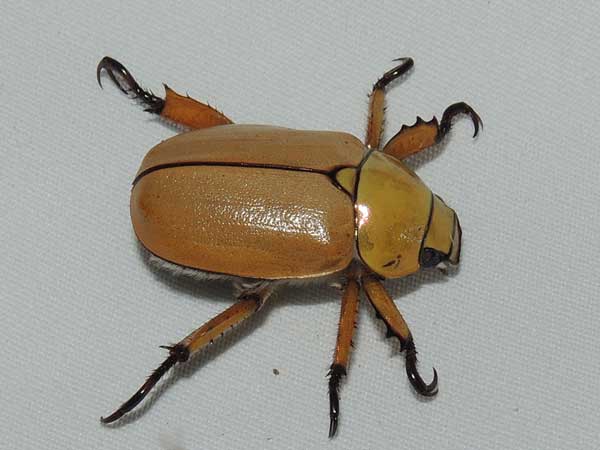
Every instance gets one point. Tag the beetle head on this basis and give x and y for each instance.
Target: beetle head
(442, 240)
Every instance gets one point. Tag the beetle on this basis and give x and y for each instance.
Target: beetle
(264, 206)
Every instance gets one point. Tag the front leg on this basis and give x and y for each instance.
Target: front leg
(182, 110)
(412, 139)
(397, 326)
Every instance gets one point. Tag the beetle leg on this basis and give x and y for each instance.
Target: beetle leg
(127, 84)
(396, 325)
(377, 102)
(421, 135)
(180, 109)
(341, 357)
(248, 303)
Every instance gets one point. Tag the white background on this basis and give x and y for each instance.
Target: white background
(513, 334)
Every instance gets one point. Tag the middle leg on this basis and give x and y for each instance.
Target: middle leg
(341, 357)
(377, 102)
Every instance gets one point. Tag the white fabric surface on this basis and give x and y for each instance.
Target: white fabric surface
(513, 334)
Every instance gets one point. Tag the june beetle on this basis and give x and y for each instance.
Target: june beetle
(264, 206)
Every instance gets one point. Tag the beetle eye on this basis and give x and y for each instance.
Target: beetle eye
(430, 257)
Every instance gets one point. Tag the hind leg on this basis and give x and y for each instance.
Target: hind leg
(177, 108)
(248, 303)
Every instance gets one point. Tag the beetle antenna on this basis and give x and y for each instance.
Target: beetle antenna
(427, 390)
(127, 84)
(177, 353)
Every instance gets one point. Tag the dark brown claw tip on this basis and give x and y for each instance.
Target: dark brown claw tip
(427, 390)
(177, 353)
(335, 374)
(404, 66)
(477, 122)
(113, 66)
(127, 84)
(456, 109)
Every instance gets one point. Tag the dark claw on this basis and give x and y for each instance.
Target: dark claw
(127, 84)
(427, 390)
(335, 374)
(111, 66)
(177, 353)
(391, 75)
(454, 110)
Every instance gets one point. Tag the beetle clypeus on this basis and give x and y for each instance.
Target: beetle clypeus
(265, 205)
